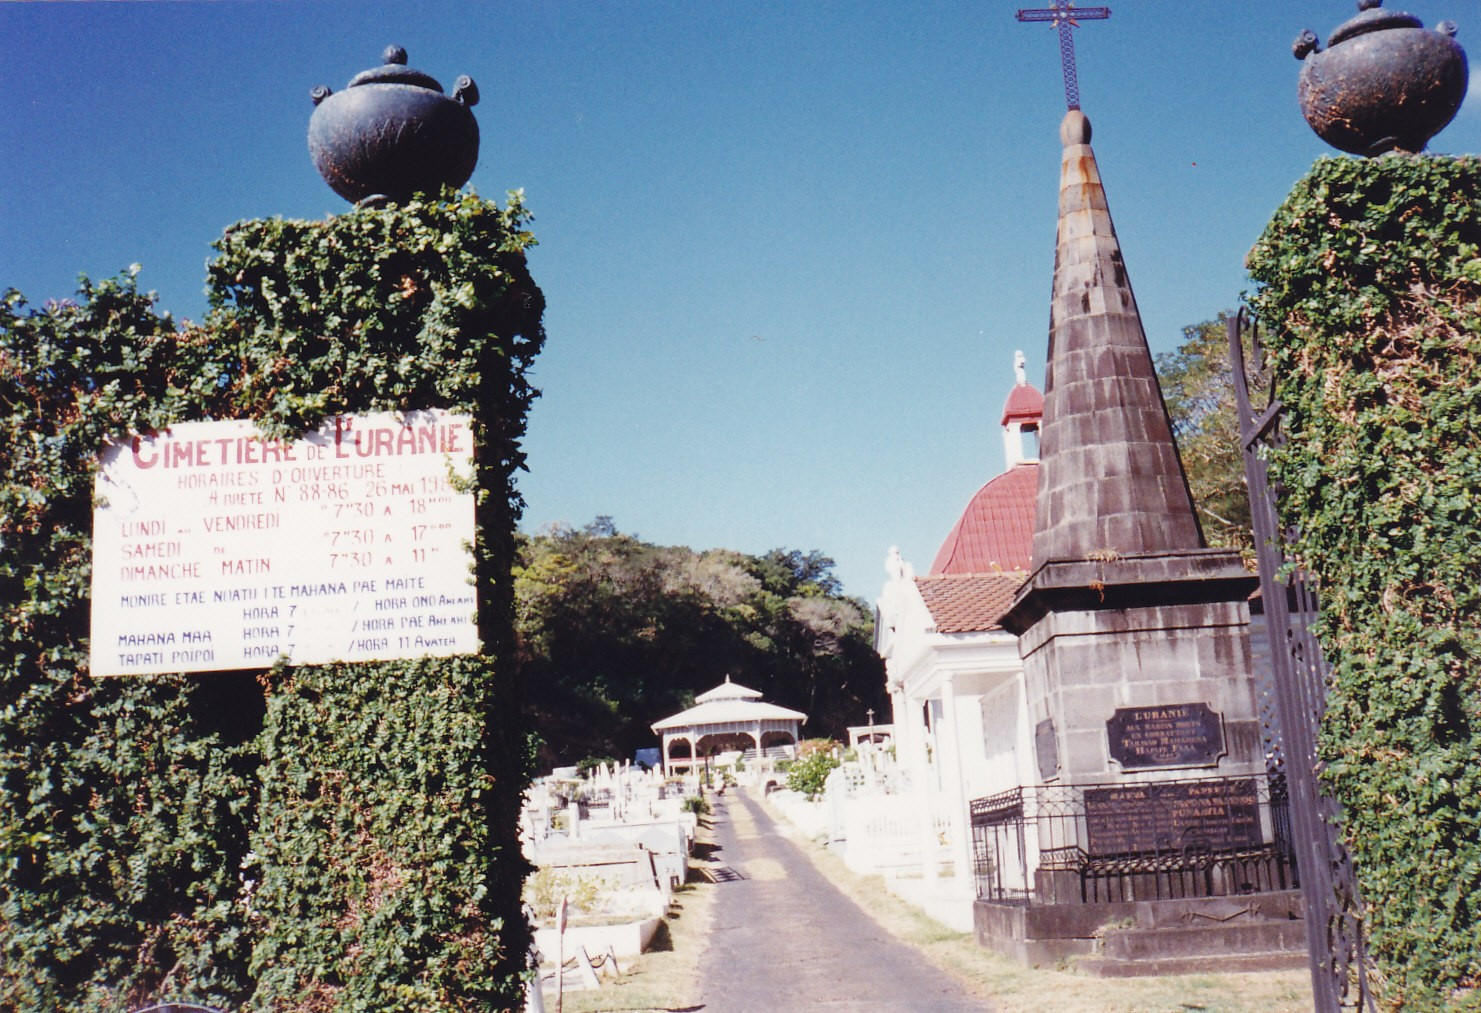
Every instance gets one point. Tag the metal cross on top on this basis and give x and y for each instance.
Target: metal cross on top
(1066, 16)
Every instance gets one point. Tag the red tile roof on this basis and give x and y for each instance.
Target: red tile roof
(996, 531)
(968, 602)
(1025, 404)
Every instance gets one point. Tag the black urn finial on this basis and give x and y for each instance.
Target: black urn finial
(1384, 83)
(393, 133)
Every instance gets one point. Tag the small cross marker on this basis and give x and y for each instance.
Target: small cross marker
(1065, 16)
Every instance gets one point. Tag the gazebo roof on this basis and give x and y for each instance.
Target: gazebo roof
(728, 690)
(728, 704)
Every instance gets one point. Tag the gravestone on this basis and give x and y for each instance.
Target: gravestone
(1175, 815)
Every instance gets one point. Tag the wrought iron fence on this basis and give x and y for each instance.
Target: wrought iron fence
(1125, 841)
(1333, 912)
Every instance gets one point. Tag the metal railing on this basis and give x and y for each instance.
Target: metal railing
(1125, 841)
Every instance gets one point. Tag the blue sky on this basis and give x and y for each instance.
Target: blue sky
(788, 249)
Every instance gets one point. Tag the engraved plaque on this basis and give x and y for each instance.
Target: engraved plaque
(1175, 816)
(1046, 748)
(1174, 735)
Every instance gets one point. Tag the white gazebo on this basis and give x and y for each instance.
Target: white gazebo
(728, 718)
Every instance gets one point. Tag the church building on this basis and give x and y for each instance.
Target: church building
(954, 673)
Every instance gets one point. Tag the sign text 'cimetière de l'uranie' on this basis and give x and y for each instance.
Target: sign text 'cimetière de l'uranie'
(216, 548)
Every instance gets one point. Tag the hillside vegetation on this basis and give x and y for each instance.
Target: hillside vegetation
(616, 633)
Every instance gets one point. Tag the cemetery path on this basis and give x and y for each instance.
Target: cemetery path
(784, 938)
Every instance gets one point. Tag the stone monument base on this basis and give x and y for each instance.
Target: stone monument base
(1253, 932)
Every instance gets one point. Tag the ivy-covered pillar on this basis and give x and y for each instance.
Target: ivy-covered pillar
(1370, 301)
(384, 855)
(336, 836)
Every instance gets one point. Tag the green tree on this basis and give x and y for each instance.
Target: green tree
(617, 633)
(790, 571)
(1198, 387)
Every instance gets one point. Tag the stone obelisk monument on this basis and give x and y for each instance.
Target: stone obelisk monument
(1151, 812)
(1132, 630)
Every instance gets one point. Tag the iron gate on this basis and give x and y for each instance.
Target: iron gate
(1334, 927)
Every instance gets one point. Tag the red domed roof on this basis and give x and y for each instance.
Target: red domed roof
(996, 531)
(1025, 404)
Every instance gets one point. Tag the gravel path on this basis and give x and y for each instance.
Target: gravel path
(784, 938)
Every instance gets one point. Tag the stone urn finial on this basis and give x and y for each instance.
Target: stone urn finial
(1384, 83)
(393, 133)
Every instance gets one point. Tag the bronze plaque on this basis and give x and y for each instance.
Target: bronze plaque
(1174, 816)
(1175, 735)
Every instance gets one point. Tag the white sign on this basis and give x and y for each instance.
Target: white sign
(216, 548)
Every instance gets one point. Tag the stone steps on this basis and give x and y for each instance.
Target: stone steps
(1245, 946)
(1183, 936)
(1204, 941)
(1102, 967)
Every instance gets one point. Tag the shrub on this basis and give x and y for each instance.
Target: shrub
(545, 887)
(586, 766)
(808, 774)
